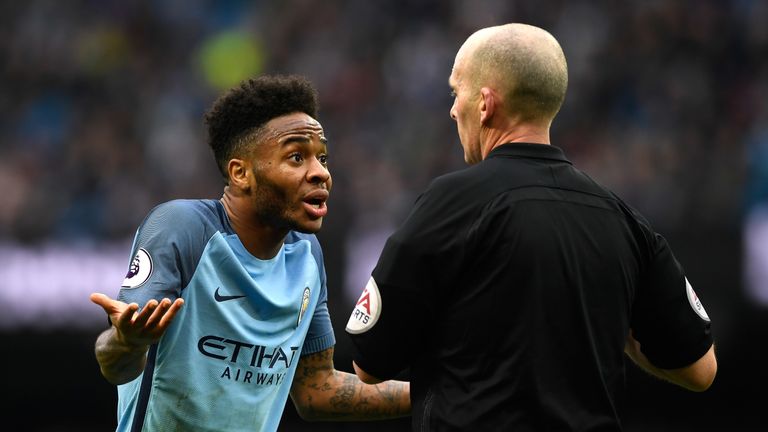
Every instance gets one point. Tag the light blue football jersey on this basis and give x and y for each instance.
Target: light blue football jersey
(227, 361)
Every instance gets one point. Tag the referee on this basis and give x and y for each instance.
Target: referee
(515, 286)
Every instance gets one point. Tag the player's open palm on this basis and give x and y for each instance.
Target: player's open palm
(134, 327)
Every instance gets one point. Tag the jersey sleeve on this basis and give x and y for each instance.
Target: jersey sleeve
(668, 318)
(320, 336)
(392, 314)
(165, 250)
(384, 327)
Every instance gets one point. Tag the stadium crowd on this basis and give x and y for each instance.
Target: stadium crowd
(102, 101)
(101, 108)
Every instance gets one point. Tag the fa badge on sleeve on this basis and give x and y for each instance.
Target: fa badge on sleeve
(367, 310)
(694, 301)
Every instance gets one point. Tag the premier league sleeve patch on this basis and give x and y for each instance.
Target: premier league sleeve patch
(139, 271)
(693, 299)
(367, 309)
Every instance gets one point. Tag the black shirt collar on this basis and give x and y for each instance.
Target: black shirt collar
(526, 150)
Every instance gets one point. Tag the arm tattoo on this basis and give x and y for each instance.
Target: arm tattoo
(321, 392)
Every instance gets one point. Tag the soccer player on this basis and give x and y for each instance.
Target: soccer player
(514, 287)
(223, 311)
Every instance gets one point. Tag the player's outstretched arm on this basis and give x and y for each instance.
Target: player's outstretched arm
(320, 392)
(697, 376)
(122, 349)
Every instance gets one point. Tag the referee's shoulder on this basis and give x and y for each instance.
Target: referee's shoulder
(455, 181)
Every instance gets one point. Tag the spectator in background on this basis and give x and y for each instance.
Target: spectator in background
(119, 67)
(515, 286)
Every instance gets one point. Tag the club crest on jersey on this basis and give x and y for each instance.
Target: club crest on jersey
(693, 299)
(367, 309)
(139, 271)
(304, 305)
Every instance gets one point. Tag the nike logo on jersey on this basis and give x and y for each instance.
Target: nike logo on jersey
(223, 298)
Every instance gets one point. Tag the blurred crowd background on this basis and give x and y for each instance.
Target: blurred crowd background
(101, 105)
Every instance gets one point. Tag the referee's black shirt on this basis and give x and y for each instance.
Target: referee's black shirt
(509, 293)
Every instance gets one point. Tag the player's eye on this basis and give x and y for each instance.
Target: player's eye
(323, 159)
(453, 93)
(296, 157)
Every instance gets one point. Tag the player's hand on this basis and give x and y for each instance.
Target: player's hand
(136, 328)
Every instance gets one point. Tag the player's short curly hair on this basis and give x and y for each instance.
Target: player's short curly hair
(245, 109)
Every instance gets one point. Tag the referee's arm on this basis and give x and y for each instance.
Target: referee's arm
(365, 376)
(697, 376)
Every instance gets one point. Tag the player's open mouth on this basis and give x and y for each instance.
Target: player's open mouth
(314, 203)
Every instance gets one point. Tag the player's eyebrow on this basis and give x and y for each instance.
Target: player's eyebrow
(295, 138)
(301, 139)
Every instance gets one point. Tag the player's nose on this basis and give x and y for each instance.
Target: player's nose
(318, 172)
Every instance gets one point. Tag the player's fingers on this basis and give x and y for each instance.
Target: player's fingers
(124, 319)
(114, 308)
(104, 301)
(140, 320)
(160, 310)
(98, 298)
(172, 310)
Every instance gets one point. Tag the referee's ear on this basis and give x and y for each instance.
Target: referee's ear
(487, 104)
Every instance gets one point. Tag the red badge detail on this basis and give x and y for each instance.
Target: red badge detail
(365, 301)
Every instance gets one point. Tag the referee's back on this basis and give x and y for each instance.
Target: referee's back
(535, 310)
(515, 286)
(510, 291)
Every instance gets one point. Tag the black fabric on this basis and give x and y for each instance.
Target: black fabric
(509, 292)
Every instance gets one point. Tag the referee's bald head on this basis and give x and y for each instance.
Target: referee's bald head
(524, 63)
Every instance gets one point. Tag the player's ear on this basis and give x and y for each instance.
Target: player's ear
(486, 104)
(238, 174)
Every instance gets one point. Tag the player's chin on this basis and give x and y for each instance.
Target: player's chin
(308, 226)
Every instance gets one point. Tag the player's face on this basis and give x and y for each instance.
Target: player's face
(464, 113)
(290, 174)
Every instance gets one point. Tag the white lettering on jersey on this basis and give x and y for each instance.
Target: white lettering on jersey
(367, 310)
(693, 299)
(139, 271)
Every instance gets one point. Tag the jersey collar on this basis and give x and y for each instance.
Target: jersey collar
(526, 150)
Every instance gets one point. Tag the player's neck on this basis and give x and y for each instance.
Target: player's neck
(260, 239)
